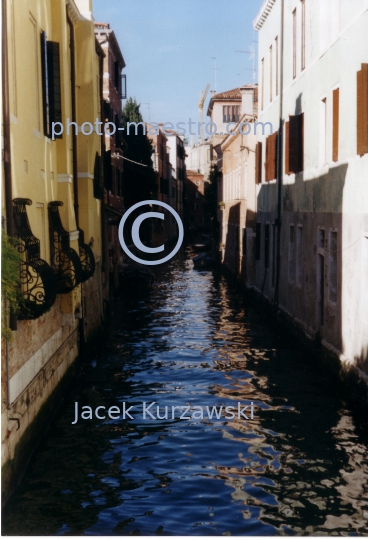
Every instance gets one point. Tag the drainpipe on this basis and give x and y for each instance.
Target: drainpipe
(279, 160)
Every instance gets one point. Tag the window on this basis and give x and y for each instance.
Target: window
(267, 244)
(332, 289)
(224, 113)
(51, 88)
(274, 239)
(323, 131)
(164, 186)
(299, 255)
(262, 82)
(302, 64)
(258, 241)
(291, 254)
(294, 43)
(335, 124)
(294, 144)
(271, 156)
(271, 73)
(320, 275)
(276, 66)
(258, 163)
(117, 76)
(362, 110)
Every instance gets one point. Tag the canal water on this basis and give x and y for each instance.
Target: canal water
(300, 466)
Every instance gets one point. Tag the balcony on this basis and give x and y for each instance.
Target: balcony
(65, 262)
(87, 258)
(36, 277)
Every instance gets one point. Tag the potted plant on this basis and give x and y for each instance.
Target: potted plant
(221, 205)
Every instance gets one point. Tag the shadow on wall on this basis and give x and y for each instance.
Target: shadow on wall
(231, 255)
(310, 285)
(194, 205)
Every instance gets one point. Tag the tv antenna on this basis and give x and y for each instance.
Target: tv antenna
(252, 53)
(215, 68)
(149, 111)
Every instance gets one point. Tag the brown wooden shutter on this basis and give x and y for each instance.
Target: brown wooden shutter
(259, 163)
(53, 64)
(335, 124)
(271, 155)
(287, 148)
(45, 86)
(362, 110)
(294, 144)
(267, 162)
(273, 166)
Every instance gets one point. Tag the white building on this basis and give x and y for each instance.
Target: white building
(238, 191)
(199, 158)
(315, 58)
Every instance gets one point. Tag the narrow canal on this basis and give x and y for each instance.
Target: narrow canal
(300, 466)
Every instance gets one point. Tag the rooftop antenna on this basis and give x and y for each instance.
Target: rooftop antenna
(252, 56)
(200, 106)
(215, 68)
(149, 111)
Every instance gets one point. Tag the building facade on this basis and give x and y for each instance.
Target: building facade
(238, 204)
(195, 200)
(312, 218)
(165, 187)
(51, 85)
(113, 201)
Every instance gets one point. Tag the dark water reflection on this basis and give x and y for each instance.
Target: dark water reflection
(299, 467)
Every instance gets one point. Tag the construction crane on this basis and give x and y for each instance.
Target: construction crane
(200, 106)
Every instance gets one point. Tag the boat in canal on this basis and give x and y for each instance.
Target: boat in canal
(203, 260)
(135, 277)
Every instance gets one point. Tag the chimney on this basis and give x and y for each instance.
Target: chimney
(247, 94)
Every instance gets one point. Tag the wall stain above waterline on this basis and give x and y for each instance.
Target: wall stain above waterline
(299, 467)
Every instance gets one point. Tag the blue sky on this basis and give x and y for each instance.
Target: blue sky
(168, 44)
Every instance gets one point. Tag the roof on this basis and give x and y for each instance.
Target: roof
(190, 172)
(104, 33)
(263, 14)
(231, 95)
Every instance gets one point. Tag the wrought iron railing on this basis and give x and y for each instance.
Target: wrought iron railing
(65, 261)
(87, 258)
(36, 277)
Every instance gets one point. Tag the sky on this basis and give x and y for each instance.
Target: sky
(168, 47)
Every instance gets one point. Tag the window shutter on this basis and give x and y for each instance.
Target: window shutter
(362, 110)
(294, 144)
(335, 124)
(295, 134)
(287, 145)
(267, 163)
(271, 155)
(45, 86)
(259, 163)
(97, 188)
(53, 66)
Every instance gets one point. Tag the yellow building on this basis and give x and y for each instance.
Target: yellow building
(52, 187)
